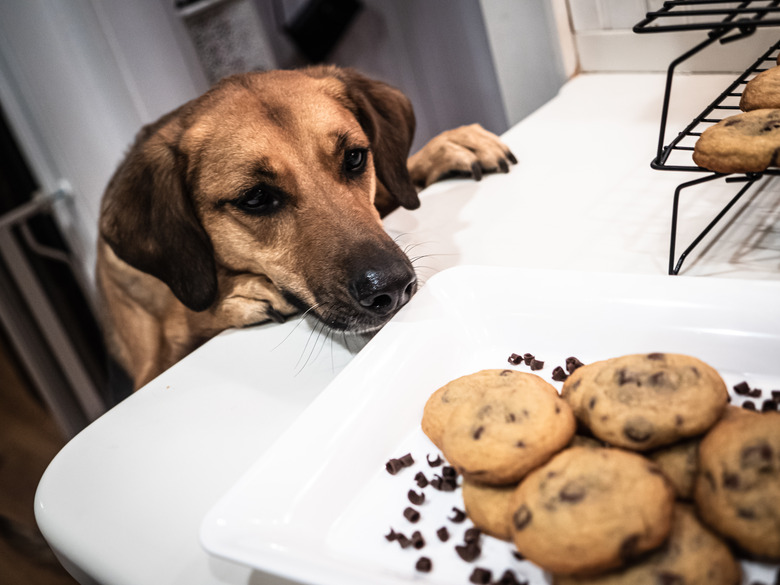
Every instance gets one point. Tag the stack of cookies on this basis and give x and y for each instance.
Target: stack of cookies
(639, 472)
(748, 142)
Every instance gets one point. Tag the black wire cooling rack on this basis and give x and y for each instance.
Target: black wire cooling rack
(724, 21)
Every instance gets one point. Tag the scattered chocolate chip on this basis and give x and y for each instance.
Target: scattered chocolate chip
(528, 358)
(515, 359)
(776, 398)
(468, 552)
(536, 365)
(769, 405)
(481, 576)
(421, 480)
(449, 472)
(443, 534)
(415, 497)
(558, 374)
(458, 515)
(742, 388)
(572, 363)
(411, 514)
(522, 517)
(407, 460)
(749, 405)
(436, 462)
(394, 466)
(404, 541)
(508, 578)
(755, 393)
(444, 484)
(392, 535)
(424, 565)
(417, 540)
(518, 555)
(472, 535)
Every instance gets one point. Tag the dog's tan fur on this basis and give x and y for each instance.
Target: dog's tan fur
(180, 259)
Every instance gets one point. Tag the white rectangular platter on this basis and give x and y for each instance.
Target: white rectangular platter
(316, 507)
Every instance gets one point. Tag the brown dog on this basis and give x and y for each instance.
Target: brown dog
(262, 199)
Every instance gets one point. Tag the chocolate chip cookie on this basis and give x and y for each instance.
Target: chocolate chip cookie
(763, 91)
(746, 143)
(590, 510)
(488, 507)
(692, 554)
(467, 388)
(737, 491)
(680, 464)
(507, 431)
(644, 401)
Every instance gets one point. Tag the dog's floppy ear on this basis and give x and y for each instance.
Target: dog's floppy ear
(387, 117)
(149, 220)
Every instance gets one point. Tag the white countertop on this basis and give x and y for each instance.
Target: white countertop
(124, 500)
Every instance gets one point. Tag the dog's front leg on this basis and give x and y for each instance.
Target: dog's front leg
(249, 299)
(467, 151)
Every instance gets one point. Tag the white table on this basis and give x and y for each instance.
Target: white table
(124, 500)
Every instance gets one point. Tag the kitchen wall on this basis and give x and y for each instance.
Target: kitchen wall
(604, 40)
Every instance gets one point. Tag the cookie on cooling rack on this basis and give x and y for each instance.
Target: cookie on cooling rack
(763, 91)
(746, 143)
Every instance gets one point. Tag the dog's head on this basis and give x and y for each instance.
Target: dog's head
(274, 174)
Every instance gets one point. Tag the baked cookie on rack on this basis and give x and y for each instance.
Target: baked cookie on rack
(763, 91)
(745, 143)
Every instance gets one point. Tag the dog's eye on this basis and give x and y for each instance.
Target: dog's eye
(355, 160)
(259, 200)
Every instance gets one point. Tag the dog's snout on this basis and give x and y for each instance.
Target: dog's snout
(384, 291)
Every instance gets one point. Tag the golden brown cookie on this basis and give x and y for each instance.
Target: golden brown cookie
(763, 91)
(644, 401)
(590, 510)
(746, 143)
(680, 463)
(488, 507)
(692, 554)
(440, 404)
(737, 491)
(509, 430)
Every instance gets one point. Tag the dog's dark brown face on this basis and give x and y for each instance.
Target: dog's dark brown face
(273, 174)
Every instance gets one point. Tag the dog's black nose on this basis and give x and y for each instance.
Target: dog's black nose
(385, 291)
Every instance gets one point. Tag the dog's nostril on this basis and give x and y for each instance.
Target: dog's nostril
(378, 303)
(383, 292)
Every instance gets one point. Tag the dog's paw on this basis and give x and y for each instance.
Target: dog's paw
(249, 299)
(468, 151)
